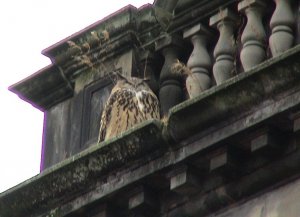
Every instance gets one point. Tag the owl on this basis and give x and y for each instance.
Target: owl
(131, 102)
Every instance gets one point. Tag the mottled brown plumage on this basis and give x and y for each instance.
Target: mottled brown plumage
(131, 102)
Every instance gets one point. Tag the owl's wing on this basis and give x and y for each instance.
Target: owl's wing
(152, 109)
(106, 115)
(123, 110)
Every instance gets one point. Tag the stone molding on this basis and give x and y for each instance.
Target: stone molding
(80, 171)
(45, 88)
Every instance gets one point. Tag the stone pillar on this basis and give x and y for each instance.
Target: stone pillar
(171, 92)
(225, 49)
(199, 62)
(254, 36)
(282, 23)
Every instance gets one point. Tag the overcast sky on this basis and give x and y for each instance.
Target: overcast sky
(28, 27)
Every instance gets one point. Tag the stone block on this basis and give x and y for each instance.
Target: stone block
(183, 181)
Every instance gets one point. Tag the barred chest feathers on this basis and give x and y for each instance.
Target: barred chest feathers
(131, 102)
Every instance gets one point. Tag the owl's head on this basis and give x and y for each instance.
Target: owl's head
(130, 83)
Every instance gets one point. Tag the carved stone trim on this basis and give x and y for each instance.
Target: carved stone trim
(237, 95)
(46, 88)
(224, 52)
(254, 36)
(281, 23)
(199, 62)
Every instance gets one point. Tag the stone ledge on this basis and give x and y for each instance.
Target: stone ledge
(54, 83)
(279, 172)
(191, 12)
(78, 173)
(239, 94)
(45, 88)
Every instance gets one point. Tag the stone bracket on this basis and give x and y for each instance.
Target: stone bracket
(75, 173)
(143, 202)
(264, 141)
(183, 180)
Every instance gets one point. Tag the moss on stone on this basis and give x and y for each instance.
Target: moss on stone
(45, 191)
(242, 92)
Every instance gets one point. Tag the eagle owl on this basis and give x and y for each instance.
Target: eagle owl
(131, 102)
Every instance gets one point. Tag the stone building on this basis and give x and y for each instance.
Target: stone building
(229, 141)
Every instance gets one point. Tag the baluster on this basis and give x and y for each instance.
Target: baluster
(199, 62)
(171, 92)
(225, 49)
(254, 36)
(281, 23)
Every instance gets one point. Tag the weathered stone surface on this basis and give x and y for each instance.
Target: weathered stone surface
(118, 35)
(63, 181)
(170, 80)
(183, 181)
(193, 11)
(241, 93)
(205, 132)
(225, 21)
(279, 202)
(83, 59)
(112, 26)
(46, 191)
(45, 88)
(199, 61)
(201, 204)
(232, 192)
(143, 202)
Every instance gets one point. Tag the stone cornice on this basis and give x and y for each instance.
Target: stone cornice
(190, 12)
(65, 179)
(114, 24)
(45, 88)
(78, 53)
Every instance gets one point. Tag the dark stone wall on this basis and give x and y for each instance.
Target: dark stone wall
(73, 125)
(56, 133)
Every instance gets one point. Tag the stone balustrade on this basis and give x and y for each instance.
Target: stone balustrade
(233, 40)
